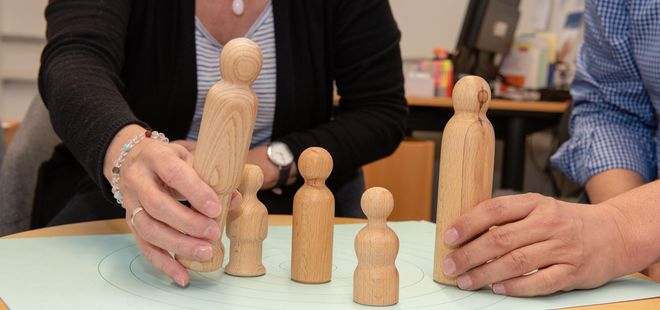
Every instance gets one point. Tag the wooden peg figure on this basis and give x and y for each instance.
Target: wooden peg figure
(225, 134)
(376, 278)
(467, 154)
(247, 227)
(313, 220)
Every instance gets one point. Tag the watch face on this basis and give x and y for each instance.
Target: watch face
(279, 153)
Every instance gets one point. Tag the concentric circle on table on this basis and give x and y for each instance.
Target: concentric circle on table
(126, 270)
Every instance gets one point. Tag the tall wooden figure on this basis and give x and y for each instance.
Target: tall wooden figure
(226, 132)
(465, 177)
(247, 227)
(313, 220)
(376, 279)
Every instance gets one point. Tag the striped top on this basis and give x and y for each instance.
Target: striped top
(208, 51)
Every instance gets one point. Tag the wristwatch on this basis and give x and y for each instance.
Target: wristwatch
(280, 155)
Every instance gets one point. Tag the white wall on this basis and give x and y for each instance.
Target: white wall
(427, 24)
(22, 32)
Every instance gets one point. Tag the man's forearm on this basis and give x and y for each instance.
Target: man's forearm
(638, 224)
(612, 183)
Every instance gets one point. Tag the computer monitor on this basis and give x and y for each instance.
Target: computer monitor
(488, 29)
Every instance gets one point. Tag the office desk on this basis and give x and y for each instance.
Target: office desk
(512, 121)
(119, 226)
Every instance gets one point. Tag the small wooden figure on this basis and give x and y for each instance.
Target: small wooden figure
(465, 175)
(313, 220)
(376, 278)
(225, 134)
(247, 227)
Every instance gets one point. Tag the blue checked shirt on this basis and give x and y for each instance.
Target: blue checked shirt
(616, 92)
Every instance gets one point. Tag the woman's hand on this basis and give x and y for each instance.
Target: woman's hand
(572, 246)
(151, 169)
(259, 156)
(256, 156)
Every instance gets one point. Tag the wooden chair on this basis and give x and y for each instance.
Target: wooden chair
(408, 174)
(10, 128)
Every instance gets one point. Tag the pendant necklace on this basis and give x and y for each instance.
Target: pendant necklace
(237, 6)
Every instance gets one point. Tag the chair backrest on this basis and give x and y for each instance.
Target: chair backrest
(33, 144)
(408, 175)
(3, 146)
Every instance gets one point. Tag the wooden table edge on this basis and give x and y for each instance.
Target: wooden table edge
(119, 226)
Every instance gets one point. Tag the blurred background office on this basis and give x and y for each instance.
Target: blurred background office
(525, 48)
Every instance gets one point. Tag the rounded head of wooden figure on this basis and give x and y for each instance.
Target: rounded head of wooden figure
(471, 94)
(240, 61)
(377, 203)
(315, 163)
(252, 179)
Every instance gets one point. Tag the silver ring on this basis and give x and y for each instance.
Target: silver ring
(135, 212)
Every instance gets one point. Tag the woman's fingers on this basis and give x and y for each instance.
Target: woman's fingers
(189, 145)
(546, 281)
(162, 207)
(497, 211)
(164, 262)
(150, 174)
(164, 237)
(512, 265)
(175, 173)
(142, 187)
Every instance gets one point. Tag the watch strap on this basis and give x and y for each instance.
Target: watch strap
(284, 176)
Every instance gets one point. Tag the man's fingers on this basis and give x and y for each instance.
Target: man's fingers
(180, 176)
(544, 282)
(496, 211)
(164, 262)
(162, 207)
(164, 237)
(512, 265)
(495, 243)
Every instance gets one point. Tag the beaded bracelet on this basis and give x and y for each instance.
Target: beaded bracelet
(114, 182)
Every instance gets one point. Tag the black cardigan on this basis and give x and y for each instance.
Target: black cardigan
(108, 64)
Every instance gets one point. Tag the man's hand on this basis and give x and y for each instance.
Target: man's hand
(572, 246)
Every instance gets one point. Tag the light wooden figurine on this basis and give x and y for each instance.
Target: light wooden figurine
(376, 278)
(226, 131)
(247, 227)
(313, 220)
(467, 154)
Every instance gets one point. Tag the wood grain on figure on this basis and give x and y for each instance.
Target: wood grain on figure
(313, 220)
(376, 278)
(465, 176)
(247, 227)
(224, 138)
